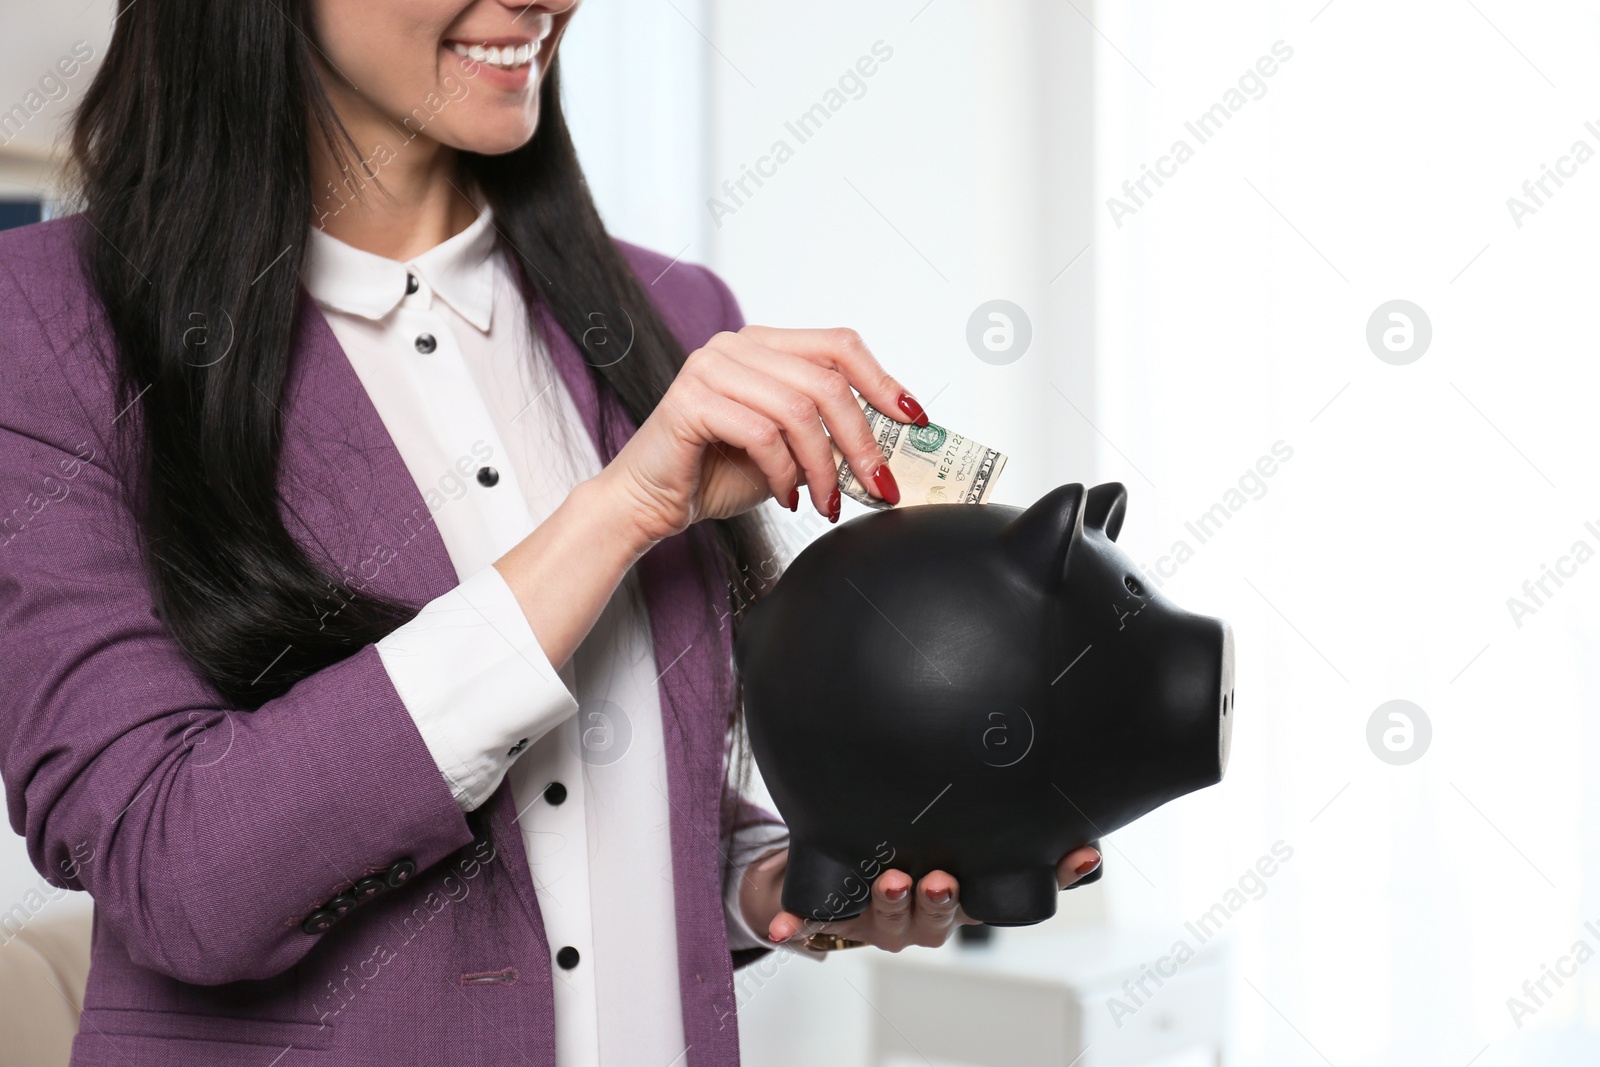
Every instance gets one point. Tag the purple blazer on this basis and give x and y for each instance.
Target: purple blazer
(207, 835)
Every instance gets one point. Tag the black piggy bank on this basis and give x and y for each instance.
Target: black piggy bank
(975, 689)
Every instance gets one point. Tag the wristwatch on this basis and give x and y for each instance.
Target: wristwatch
(830, 942)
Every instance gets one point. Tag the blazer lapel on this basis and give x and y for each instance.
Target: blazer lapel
(350, 493)
(683, 638)
(355, 498)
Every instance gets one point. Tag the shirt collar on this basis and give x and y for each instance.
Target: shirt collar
(459, 270)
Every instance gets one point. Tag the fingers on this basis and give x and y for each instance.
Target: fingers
(743, 428)
(786, 400)
(785, 925)
(823, 393)
(811, 398)
(843, 350)
(898, 914)
(1077, 864)
(893, 906)
(886, 921)
(743, 371)
(937, 904)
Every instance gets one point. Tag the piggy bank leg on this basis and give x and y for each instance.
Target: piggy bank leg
(818, 887)
(1012, 898)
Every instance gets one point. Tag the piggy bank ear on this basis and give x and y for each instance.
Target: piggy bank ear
(1105, 507)
(1040, 537)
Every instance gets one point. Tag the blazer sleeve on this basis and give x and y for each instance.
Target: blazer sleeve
(204, 833)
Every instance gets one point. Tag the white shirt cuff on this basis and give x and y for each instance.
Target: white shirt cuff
(747, 845)
(480, 689)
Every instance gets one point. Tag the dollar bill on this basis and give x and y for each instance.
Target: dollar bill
(930, 464)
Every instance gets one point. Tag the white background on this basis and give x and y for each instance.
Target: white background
(1227, 314)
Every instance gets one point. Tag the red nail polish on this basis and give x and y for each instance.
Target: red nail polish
(913, 410)
(883, 479)
(941, 897)
(833, 505)
(896, 894)
(1085, 867)
(794, 499)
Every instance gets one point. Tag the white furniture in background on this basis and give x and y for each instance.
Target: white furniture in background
(44, 966)
(1034, 999)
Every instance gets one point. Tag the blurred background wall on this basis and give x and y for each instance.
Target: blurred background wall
(1202, 216)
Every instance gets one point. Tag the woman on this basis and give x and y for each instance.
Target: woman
(374, 521)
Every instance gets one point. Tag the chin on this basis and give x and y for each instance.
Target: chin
(499, 147)
(482, 143)
(493, 140)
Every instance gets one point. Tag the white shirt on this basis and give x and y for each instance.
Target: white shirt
(492, 439)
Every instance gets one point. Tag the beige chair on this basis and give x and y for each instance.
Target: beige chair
(43, 968)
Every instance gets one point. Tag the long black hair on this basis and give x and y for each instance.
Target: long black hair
(191, 151)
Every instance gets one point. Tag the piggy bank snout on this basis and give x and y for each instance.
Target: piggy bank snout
(1198, 698)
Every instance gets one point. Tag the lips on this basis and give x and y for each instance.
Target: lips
(504, 53)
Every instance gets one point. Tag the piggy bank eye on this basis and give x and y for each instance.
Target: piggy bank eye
(1133, 585)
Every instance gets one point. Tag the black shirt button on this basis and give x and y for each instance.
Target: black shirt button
(400, 872)
(488, 476)
(518, 747)
(341, 905)
(555, 792)
(368, 888)
(319, 921)
(426, 343)
(412, 285)
(567, 957)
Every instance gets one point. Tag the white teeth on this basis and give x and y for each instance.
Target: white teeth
(507, 58)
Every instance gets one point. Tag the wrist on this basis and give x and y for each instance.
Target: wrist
(608, 508)
(565, 571)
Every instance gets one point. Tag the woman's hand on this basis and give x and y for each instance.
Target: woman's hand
(897, 915)
(750, 416)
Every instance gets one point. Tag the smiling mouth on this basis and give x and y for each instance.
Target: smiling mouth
(502, 57)
(505, 53)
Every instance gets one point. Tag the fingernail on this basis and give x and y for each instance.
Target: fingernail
(941, 897)
(833, 505)
(913, 410)
(884, 481)
(897, 894)
(794, 499)
(1086, 866)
